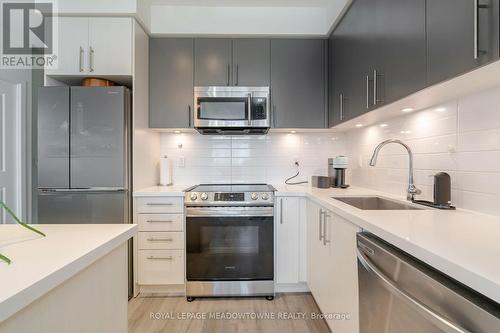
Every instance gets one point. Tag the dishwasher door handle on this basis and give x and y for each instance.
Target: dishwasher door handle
(440, 321)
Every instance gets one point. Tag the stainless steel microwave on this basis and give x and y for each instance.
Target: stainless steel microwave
(232, 110)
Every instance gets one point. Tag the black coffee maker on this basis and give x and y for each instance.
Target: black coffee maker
(336, 171)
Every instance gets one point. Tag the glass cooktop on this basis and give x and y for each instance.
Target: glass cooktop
(232, 188)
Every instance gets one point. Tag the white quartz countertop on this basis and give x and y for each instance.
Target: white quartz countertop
(165, 191)
(40, 264)
(462, 244)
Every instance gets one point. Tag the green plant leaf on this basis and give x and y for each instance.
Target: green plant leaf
(18, 221)
(4, 258)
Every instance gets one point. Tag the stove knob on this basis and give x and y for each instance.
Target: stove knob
(265, 196)
(194, 196)
(204, 196)
(254, 196)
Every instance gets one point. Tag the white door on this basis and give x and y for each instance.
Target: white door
(10, 148)
(110, 44)
(72, 39)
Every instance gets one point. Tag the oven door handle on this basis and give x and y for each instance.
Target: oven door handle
(229, 211)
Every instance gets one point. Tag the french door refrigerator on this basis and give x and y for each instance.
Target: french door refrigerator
(84, 160)
(83, 155)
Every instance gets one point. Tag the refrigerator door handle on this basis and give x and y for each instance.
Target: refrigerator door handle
(81, 190)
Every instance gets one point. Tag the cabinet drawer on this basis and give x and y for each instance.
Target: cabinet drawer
(160, 222)
(160, 205)
(161, 267)
(161, 240)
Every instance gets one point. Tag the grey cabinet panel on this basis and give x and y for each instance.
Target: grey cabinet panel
(400, 48)
(251, 62)
(98, 142)
(451, 34)
(298, 75)
(53, 137)
(171, 82)
(360, 44)
(213, 62)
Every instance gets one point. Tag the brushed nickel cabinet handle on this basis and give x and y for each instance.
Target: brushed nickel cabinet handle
(160, 239)
(341, 106)
(320, 224)
(237, 74)
(228, 73)
(281, 210)
(160, 221)
(367, 92)
(91, 59)
(81, 59)
(160, 258)
(159, 204)
(325, 216)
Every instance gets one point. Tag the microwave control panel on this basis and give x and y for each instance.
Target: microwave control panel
(259, 111)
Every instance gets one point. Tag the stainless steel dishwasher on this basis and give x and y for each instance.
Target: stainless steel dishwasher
(398, 293)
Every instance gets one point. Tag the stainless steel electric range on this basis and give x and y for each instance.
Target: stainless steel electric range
(230, 241)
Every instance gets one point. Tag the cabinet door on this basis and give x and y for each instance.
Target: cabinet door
(359, 35)
(287, 240)
(298, 75)
(213, 62)
(339, 72)
(72, 51)
(313, 247)
(110, 45)
(400, 47)
(171, 82)
(342, 290)
(251, 62)
(451, 42)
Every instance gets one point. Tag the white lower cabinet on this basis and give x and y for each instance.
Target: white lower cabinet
(160, 244)
(332, 267)
(290, 242)
(160, 267)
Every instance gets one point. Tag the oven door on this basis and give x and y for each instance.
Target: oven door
(229, 243)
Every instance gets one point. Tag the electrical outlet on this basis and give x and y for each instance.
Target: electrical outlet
(181, 162)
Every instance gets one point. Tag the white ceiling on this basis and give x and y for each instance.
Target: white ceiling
(241, 17)
(245, 3)
(219, 17)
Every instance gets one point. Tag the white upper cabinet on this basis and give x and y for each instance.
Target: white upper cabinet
(110, 45)
(72, 51)
(94, 46)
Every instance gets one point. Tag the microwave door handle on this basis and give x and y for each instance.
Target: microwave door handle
(249, 109)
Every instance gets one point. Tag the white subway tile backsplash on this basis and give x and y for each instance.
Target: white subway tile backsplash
(461, 137)
(249, 159)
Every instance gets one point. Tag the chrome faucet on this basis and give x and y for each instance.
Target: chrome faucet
(412, 189)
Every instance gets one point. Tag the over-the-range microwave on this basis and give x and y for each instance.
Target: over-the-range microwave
(232, 110)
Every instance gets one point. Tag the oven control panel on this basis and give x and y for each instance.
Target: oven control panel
(229, 198)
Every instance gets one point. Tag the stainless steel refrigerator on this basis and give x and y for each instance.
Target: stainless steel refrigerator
(84, 159)
(83, 155)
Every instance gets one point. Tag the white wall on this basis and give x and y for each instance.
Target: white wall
(146, 143)
(461, 137)
(247, 159)
(96, 6)
(211, 20)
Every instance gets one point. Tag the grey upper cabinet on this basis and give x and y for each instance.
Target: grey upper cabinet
(171, 82)
(454, 43)
(298, 80)
(213, 62)
(251, 62)
(400, 49)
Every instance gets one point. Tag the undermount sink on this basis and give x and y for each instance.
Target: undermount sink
(377, 203)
